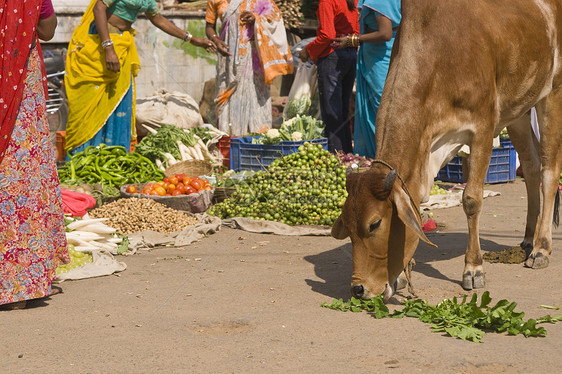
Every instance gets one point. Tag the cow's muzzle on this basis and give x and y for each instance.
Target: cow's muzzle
(359, 292)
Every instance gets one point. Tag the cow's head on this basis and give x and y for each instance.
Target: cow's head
(384, 226)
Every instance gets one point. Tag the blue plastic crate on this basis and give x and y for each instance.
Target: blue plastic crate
(502, 167)
(247, 156)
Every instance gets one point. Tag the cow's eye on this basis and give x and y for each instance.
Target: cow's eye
(375, 225)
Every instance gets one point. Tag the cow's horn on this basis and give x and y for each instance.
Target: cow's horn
(388, 181)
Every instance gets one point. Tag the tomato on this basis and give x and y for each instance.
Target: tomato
(176, 193)
(189, 190)
(205, 182)
(161, 183)
(207, 187)
(181, 188)
(131, 189)
(161, 191)
(166, 180)
(186, 180)
(174, 180)
(153, 192)
(180, 176)
(171, 188)
(196, 183)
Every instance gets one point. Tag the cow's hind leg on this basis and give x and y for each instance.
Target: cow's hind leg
(527, 147)
(480, 154)
(550, 122)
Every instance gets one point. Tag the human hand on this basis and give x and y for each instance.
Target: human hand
(247, 17)
(341, 42)
(111, 59)
(303, 55)
(207, 44)
(222, 47)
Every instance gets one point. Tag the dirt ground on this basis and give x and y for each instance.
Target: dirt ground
(237, 302)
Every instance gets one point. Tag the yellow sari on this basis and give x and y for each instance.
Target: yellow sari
(93, 91)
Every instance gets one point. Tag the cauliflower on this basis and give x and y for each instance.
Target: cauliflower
(272, 133)
(296, 136)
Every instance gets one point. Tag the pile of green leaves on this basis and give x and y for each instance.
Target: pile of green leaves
(464, 320)
(155, 145)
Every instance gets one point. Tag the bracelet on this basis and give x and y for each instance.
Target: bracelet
(355, 40)
(106, 43)
(187, 37)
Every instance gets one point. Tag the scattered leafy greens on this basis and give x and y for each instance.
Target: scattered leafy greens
(466, 320)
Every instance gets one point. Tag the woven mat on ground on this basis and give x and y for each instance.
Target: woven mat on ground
(278, 228)
(145, 240)
(104, 264)
(451, 199)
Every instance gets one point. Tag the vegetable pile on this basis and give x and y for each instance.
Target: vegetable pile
(295, 129)
(303, 188)
(437, 190)
(77, 259)
(88, 235)
(133, 215)
(464, 320)
(170, 144)
(108, 165)
(349, 159)
(178, 184)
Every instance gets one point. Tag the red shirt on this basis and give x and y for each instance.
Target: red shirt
(334, 20)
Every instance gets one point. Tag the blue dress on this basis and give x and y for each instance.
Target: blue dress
(373, 60)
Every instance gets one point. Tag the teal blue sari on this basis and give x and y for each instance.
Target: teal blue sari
(373, 60)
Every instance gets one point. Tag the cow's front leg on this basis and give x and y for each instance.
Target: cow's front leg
(479, 159)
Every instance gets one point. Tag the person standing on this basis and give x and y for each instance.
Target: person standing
(101, 66)
(335, 68)
(379, 21)
(253, 50)
(32, 231)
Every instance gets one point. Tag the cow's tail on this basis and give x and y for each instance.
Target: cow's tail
(556, 217)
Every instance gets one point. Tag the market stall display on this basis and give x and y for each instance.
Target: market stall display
(138, 214)
(108, 166)
(303, 188)
(170, 144)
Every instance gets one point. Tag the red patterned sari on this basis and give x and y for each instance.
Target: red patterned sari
(32, 235)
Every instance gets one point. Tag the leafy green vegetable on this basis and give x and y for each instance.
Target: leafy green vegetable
(298, 106)
(464, 320)
(155, 145)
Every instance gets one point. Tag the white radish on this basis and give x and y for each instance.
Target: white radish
(170, 159)
(84, 222)
(99, 228)
(83, 235)
(150, 129)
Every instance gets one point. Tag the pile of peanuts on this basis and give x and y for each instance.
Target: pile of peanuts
(133, 215)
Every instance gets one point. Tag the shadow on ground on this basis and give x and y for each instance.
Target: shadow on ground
(335, 266)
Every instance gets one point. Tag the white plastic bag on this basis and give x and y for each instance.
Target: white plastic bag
(305, 83)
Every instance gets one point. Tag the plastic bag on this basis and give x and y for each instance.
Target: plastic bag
(304, 84)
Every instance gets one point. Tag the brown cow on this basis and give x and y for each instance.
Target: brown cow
(460, 72)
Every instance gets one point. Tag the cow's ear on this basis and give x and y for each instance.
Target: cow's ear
(407, 212)
(338, 230)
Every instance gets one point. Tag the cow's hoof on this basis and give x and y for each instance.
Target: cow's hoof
(470, 281)
(537, 261)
